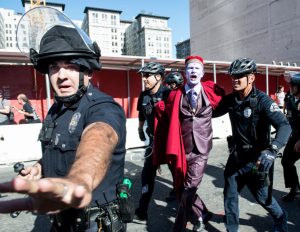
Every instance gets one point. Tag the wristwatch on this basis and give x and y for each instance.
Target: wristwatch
(274, 147)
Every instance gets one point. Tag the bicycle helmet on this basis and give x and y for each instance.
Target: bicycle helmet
(242, 66)
(292, 77)
(153, 68)
(174, 77)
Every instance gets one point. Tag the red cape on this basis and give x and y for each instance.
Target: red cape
(168, 144)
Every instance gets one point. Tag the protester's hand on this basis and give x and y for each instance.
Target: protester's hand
(142, 134)
(297, 146)
(45, 196)
(266, 160)
(32, 172)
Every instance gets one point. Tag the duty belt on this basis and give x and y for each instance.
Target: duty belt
(248, 148)
(77, 220)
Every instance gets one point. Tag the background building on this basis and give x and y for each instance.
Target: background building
(265, 30)
(183, 49)
(149, 35)
(27, 4)
(2, 34)
(8, 24)
(124, 24)
(146, 35)
(103, 26)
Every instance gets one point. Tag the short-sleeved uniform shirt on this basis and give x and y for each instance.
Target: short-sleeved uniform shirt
(251, 122)
(146, 105)
(61, 134)
(293, 114)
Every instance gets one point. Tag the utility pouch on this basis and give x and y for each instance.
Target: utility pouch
(108, 220)
(46, 131)
(263, 179)
(126, 204)
(230, 144)
(76, 220)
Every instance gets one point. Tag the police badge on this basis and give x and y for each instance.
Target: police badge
(247, 112)
(74, 122)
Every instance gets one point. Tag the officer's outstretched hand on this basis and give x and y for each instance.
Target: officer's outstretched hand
(266, 160)
(45, 196)
(142, 134)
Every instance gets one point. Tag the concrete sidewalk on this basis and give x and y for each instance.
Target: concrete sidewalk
(162, 214)
(252, 216)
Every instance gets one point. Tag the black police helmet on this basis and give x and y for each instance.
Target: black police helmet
(242, 66)
(174, 77)
(62, 42)
(153, 68)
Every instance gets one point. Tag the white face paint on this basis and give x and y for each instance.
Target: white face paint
(194, 73)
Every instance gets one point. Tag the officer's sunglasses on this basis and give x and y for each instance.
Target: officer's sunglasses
(239, 76)
(146, 75)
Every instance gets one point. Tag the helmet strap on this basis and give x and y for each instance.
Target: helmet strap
(154, 84)
(76, 96)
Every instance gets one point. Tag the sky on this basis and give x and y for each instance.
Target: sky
(176, 10)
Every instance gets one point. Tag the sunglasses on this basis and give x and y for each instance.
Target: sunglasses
(147, 75)
(239, 76)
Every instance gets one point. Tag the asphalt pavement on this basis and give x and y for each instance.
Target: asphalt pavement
(162, 213)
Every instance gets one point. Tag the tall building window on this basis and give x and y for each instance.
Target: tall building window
(95, 17)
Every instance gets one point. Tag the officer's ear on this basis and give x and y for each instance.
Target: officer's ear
(89, 73)
(158, 77)
(251, 78)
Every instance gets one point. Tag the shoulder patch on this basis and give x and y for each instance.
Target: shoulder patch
(274, 107)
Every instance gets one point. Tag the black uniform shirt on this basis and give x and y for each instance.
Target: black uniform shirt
(146, 104)
(293, 114)
(251, 124)
(62, 131)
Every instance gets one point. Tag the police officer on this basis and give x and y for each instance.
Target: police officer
(152, 75)
(173, 80)
(83, 135)
(291, 151)
(252, 152)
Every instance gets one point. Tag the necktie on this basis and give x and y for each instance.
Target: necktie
(193, 98)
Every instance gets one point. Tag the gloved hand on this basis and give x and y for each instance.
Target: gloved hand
(142, 134)
(266, 159)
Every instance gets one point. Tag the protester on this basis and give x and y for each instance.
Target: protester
(291, 151)
(4, 110)
(83, 135)
(252, 152)
(183, 139)
(27, 109)
(152, 75)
